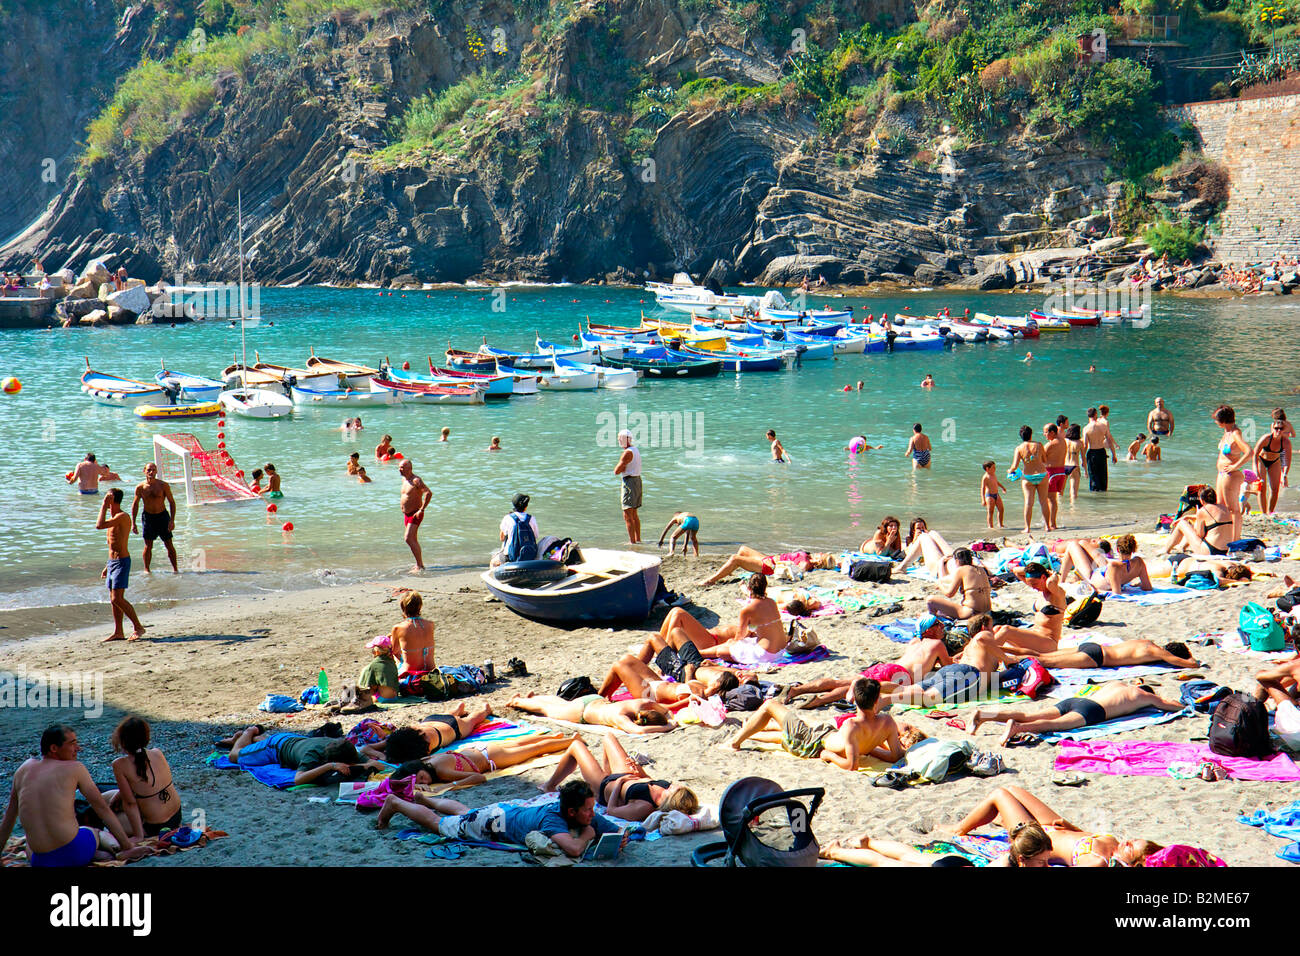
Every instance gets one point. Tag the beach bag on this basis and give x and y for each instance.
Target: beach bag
(1202, 579)
(803, 639)
(872, 571)
(576, 687)
(1247, 549)
(1165, 522)
(934, 759)
(463, 680)
(1259, 629)
(1036, 678)
(521, 544)
(1239, 728)
(1194, 690)
(431, 685)
(984, 546)
(1084, 612)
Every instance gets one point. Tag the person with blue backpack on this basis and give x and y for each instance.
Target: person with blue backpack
(518, 534)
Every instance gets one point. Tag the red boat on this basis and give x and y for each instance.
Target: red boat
(1073, 319)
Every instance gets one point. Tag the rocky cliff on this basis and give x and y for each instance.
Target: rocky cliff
(549, 171)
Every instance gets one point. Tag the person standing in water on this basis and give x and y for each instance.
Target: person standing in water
(919, 448)
(159, 514)
(118, 570)
(778, 450)
(415, 497)
(629, 469)
(1160, 420)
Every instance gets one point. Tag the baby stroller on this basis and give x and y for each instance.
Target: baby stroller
(764, 826)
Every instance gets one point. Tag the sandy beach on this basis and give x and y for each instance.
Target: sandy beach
(205, 665)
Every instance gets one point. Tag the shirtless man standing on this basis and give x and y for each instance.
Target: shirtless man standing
(973, 583)
(88, 474)
(865, 734)
(1054, 451)
(415, 498)
(1096, 440)
(159, 514)
(43, 801)
(1160, 420)
(778, 450)
(118, 570)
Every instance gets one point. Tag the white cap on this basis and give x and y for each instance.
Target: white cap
(624, 438)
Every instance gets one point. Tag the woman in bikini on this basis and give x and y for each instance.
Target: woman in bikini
(431, 734)
(1234, 455)
(413, 642)
(1017, 809)
(886, 541)
(469, 765)
(1075, 460)
(146, 800)
(1049, 614)
(1101, 570)
(930, 546)
(630, 716)
(620, 785)
(757, 637)
(1208, 531)
(1028, 464)
(756, 562)
(972, 581)
(1273, 463)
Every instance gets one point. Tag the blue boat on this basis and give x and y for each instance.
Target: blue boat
(604, 586)
(744, 360)
(192, 388)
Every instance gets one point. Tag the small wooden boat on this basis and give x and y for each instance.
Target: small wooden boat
(668, 364)
(357, 376)
(180, 410)
(1020, 325)
(568, 379)
(114, 390)
(289, 375)
(479, 362)
(256, 403)
(1041, 317)
(421, 393)
(341, 397)
(495, 385)
(193, 388)
(606, 376)
(621, 333)
(741, 361)
(603, 586)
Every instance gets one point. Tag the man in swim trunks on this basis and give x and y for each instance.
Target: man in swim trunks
(88, 474)
(159, 514)
(118, 570)
(1054, 451)
(919, 448)
(865, 734)
(415, 497)
(629, 469)
(1096, 440)
(1108, 702)
(1124, 654)
(1160, 420)
(43, 800)
(778, 450)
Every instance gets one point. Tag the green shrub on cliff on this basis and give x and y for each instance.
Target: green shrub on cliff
(1178, 240)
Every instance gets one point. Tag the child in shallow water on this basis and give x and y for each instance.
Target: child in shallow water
(990, 493)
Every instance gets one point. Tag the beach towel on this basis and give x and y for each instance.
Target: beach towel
(900, 631)
(1146, 717)
(1235, 642)
(353, 791)
(405, 701)
(273, 775)
(1167, 594)
(15, 854)
(1152, 758)
(1100, 675)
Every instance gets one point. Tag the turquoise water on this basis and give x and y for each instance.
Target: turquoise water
(1196, 354)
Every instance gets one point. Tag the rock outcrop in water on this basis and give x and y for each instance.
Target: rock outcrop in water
(554, 182)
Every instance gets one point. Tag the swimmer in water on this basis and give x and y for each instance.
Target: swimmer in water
(354, 463)
(1092, 368)
(362, 477)
(1029, 357)
(859, 385)
(496, 444)
(384, 448)
(446, 433)
(778, 451)
(859, 443)
(1135, 447)
(927, 382)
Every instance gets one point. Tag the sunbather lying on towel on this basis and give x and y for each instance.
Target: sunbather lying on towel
(470, 765)
(1123, 654)
(315, 758)
(865, 734)
(863, 850)
(756, 562)
(620, 785)
(432, 733)
(641, 681)
(1040, 837)
(571, 822)
(918, 660)
(637, 716)
(972, 674)
(1108, 702)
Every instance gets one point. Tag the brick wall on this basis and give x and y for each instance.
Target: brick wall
(1259, 143)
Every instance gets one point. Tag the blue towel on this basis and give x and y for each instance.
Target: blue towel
(279, 704)
(900, 631)
(310, 696)
(816, 654)
(273, 775)
(1283, 822)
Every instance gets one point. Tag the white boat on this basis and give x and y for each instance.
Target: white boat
(255, 403)
(192, 388)
(342, 397)
(355, 376)
(121, 392)
(606, 376)
(568, 380)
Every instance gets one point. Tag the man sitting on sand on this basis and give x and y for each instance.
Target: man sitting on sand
(865, 734)
(572, 823)
(1123, 654)
(972, 674)
(43, 799)
(1109, 702)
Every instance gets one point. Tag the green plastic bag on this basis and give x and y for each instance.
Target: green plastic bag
(1259, 629)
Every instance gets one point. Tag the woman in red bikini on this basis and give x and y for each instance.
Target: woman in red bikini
(469, 765)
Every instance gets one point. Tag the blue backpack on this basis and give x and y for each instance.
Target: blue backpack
(521, 545)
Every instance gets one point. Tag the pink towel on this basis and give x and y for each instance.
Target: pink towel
(1145, 758)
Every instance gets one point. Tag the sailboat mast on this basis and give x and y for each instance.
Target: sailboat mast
(243, 337)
